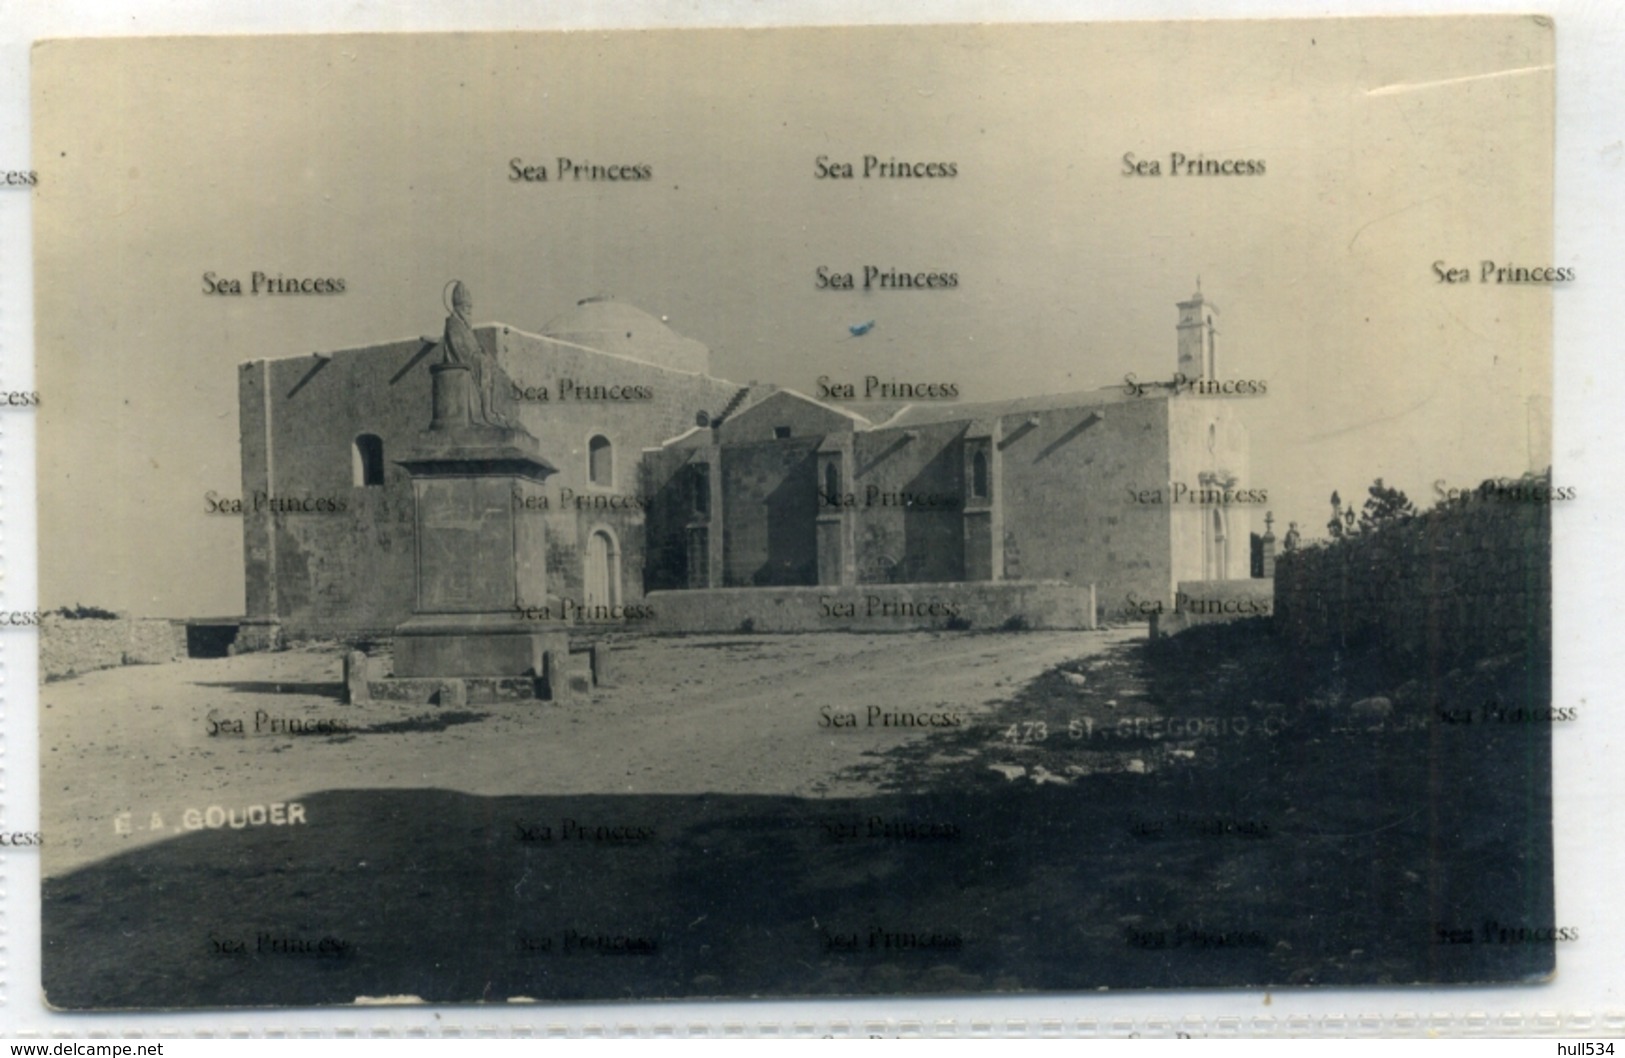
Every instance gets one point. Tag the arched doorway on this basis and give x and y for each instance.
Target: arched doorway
(601, 579)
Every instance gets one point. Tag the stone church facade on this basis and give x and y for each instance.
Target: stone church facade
(684, 502)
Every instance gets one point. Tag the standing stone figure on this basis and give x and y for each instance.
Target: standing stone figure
(1292, 538)
(462, 346)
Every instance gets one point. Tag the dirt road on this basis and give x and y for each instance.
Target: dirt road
(134, 755)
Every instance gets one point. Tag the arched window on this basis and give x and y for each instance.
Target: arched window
(978, 475)
(832, 482)
(367, 461)
(600, 461)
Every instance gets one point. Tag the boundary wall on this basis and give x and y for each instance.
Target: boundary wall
(980, 606)
(70, 646)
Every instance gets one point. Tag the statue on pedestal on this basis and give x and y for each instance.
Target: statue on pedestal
(462, 346)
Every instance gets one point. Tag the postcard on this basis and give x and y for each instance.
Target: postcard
(824, 512)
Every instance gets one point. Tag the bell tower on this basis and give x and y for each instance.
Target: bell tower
(1196, 337)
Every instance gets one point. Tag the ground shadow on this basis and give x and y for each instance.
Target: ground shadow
(334, 691)
(458, 898)
(1213, 810)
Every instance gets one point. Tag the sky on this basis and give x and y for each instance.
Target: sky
(1388, 145)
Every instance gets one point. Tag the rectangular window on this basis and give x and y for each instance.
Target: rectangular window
(700, 486)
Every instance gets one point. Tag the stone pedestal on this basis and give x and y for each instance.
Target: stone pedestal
(356, 677)
(474, 645)
(256, 634)
(482, 605)
(603, 674)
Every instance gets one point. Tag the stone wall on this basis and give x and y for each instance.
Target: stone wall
(1062, 481)
(69, 647)
(1202, 602)
(896, 540)
(873, 608)
(669, 478)
(783, 411)
(1467, 581)
(1067, 473)
(345, 564)
(769, 512)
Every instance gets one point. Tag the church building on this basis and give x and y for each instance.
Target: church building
(683, 502)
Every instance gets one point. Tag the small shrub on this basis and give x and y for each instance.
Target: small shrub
(748, 625)
(958, 624)
(78, 612)
(1016, 623)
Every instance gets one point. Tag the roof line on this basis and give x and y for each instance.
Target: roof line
(619, 356)
(894, 416)
(507, 328)
(957, 410)
(668, 442)
(813, 400)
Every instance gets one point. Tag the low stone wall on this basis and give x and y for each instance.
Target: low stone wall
(69, 647)
(984, 605)
(1468, 581)
(1203, 602)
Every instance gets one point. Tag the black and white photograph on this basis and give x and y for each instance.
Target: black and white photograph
(957, 510)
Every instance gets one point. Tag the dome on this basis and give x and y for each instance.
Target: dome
(612, 326)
